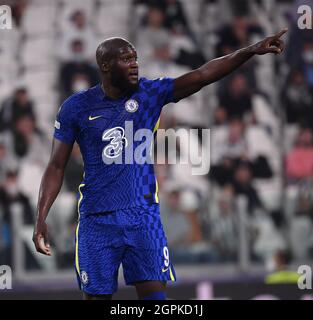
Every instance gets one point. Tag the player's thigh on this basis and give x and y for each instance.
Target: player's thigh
(146, 288)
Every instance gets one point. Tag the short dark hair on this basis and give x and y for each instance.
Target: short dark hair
(109, 47)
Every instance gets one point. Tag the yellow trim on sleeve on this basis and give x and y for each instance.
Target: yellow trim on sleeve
(156, 127)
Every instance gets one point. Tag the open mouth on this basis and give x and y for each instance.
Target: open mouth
(133, 74)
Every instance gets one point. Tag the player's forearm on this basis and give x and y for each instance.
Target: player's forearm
(218, 68)
(49, 189)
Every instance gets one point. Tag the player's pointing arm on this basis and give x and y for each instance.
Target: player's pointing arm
(216, 69)
(50, 186)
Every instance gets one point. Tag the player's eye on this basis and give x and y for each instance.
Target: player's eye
(128, 60)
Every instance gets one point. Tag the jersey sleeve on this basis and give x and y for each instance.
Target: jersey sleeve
(163, 90)
(65, 126)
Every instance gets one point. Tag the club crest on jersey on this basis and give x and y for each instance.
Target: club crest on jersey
(131, 105)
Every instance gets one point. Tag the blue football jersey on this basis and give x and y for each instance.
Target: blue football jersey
(98, 124)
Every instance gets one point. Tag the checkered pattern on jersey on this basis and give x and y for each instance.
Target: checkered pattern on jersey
(86, 116)
(155, 94)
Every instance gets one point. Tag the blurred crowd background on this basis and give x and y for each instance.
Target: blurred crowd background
(256, 204)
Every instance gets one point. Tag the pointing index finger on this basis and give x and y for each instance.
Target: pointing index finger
(281, 33)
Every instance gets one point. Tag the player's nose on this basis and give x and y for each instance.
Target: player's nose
(134, 63)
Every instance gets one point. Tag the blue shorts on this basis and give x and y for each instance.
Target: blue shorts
(132, 237)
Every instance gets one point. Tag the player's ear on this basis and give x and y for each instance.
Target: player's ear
(105, 67)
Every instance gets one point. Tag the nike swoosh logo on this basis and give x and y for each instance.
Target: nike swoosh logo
(164, 270)
(94, 118)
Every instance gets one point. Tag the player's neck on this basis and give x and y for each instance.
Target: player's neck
(111, 91)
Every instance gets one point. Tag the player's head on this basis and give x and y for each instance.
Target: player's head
(117, 60)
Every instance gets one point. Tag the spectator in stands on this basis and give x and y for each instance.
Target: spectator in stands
(172, 215)
(232, 151)
(181, 232)
(240, 7)
(4, 243)
(281, 273)
(188, 54)
(6, 159)
(25, 142)
(243, 186)
(222, 173)
(220, 116)
(299, 161)
(180, 212)
(23, 134)
(228, 152)
(77, 74)
(223, 225)
(3, 155)
(78, 29)
(235, 35)
(301, 227)
(307, 60)
(233, 145)
(237, 99)
(175, 18)
(160, 49)
(154, 39)
(16, 106)
(11, 195)
(78, 19)
(18, 10)
(298, 100)
(3, 161)
(267, 238)
(236, 145)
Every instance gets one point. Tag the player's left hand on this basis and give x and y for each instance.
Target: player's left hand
(41, 238)
(271, 44)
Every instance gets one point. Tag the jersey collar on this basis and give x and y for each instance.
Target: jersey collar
(102, 95)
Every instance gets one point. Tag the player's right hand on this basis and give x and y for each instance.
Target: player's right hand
(271, 44)
(41, 238)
